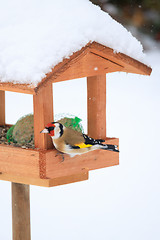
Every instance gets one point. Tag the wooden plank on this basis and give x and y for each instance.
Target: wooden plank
(24, 179)
(81, 176)
(18, 161)
(82, 64)
(2, 107)
(23, 165)
(129, 64)
(20, 88)
(63, 66)
(73, 165)
(90, 64)
(78, 177)
(21, 212)
(43, 114)
(77, 66)
(96, 106)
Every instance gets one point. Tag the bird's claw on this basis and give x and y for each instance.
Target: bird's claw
(62, 155)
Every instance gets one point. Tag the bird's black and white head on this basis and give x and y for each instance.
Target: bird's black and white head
(54, 129)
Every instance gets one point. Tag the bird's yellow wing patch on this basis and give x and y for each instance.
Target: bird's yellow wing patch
(83, 145)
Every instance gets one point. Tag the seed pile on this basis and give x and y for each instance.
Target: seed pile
(3, 139)
(3, 133)
(22, 133)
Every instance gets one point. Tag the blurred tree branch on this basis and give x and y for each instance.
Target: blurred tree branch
(142, 14)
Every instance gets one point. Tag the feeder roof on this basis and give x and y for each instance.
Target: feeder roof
(37, 38)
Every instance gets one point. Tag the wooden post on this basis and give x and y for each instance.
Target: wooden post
(2, 107)
(43, 114)
(96, 95)
(20, 212)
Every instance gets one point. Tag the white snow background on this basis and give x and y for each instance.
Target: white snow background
(116, 203)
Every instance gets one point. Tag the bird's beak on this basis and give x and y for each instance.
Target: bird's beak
(45, 130)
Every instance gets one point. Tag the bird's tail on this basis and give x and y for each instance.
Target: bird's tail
(109, 147)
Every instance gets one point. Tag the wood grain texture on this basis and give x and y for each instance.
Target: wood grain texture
(20, 88)
(129, 64)
(94, 55)
(20, 212)
(72, 165)
(87, 64)
(78, 177)
(2, 107)
(82, 64)
(82, 176)
(96, 106)
(18, 161)
(23, 165)
(43, 114)
(42, 165)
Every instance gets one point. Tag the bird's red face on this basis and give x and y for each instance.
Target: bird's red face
(49, 129)
(54, 129)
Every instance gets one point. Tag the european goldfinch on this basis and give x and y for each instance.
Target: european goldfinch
(67, 140)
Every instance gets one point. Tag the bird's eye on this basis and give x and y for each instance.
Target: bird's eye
(50, 129)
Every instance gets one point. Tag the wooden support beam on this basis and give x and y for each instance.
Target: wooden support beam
(43, 114)
(96, 96)
(20, 212)
(19, 88)
(81, 176)
(2, 107)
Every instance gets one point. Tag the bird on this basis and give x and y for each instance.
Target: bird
(72, 142)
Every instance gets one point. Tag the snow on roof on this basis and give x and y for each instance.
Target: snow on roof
(36, 35)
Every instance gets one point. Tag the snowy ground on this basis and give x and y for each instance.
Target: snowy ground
(117, 203)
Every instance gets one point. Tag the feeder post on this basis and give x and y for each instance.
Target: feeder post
(2, 107)
(43, 114)
(20, 212)
(96, 105)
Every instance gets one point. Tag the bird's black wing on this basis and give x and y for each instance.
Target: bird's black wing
(92, 141)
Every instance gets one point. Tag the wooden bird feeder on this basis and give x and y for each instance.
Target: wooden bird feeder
(41, 166)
